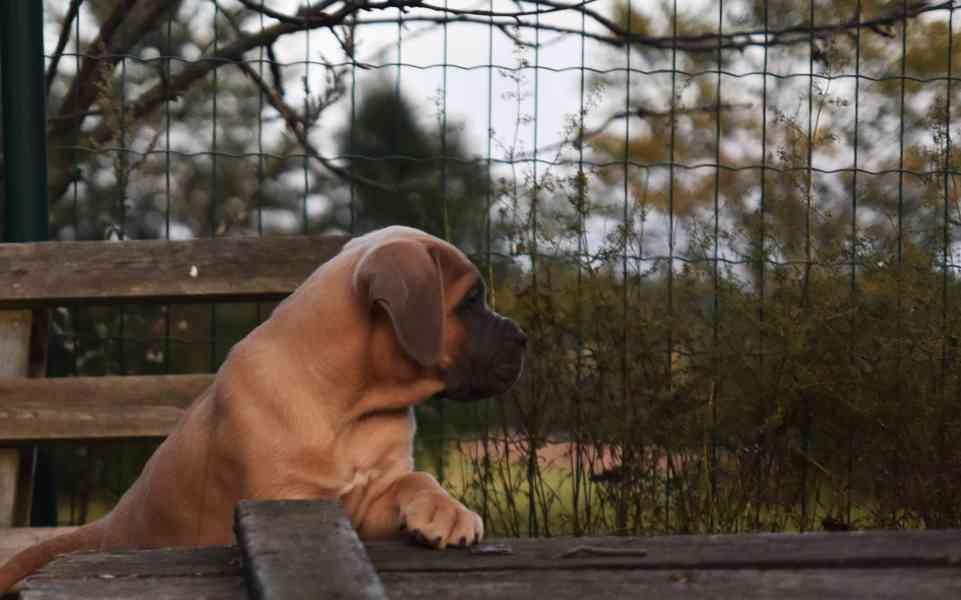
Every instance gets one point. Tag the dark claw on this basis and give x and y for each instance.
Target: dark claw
(419, 537)
(476, 538)
(403, 525)
(463, 541)
(437, 541)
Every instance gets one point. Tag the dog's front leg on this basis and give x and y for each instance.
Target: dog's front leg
(431, 516)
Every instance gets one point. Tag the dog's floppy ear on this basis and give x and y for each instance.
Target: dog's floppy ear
(405, 279)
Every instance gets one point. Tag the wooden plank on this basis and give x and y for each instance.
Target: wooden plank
(302, 549)
(95, 407)
(888, 549)
(16, 539)
(15, 328)
(14, 341)
(210, 561)
(213, 573)
(143, 588)
(61, 273)
(26, 482)
(747, 584)
(9, 474)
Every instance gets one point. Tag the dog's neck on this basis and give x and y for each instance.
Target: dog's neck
(345, 374)
(383, 397)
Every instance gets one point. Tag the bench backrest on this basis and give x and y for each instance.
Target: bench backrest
(126, 272)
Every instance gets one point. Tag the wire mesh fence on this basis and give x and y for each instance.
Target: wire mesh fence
(727, 226)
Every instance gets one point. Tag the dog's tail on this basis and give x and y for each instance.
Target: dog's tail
(27, 561)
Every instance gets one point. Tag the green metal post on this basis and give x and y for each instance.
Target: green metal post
(24, 121)
(26, 214)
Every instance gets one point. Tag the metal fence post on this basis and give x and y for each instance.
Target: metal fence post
(25, 217)
(24, 121)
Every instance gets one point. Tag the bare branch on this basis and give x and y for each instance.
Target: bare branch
(553, 8)
(62, 42)
(138, 19)
(314, 16)
(131, 19)
(299, 19)
(275, 70)
(82, 95)
(641, 113)
(296, 126)
(706, 42)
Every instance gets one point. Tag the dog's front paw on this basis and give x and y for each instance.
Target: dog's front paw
(437, 520)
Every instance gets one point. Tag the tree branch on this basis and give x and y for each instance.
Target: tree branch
(125, 26)
(296, 126)
(82, 94)
(641, 113)
(138, 20)
(706, 42)
(62, 42)
(300, 19)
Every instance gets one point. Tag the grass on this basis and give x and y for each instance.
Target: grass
(518, 498)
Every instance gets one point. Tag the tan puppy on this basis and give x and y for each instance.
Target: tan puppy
(317, 403)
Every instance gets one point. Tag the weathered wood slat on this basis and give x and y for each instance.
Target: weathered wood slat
(61, 273)
(301, 549)
(747, 584)
(877, 548)
(214, 561)
(95, 407)
(214, 573)
(162, 573)
(144, 588)
(15, 342)
(9, 474)
(887, 549)
(15, 326)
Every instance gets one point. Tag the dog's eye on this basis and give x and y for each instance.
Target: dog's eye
(475, 296)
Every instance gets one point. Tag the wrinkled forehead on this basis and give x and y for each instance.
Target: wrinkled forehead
(454, 263)
(387, 234)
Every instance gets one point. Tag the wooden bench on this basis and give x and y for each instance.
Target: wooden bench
(297, 549)
(51, 274)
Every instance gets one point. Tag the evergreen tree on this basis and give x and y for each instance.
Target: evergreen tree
(439, 187)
